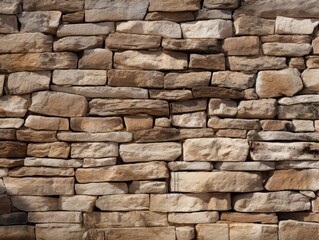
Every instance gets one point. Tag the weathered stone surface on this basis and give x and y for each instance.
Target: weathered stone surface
(300, 216)
(262, 109)
(138, 122)
(37, 61)
(251, 231)
(148, 187)
(246, 25)
(176, 202)
(223, 4)
(9, 24)
(53, 162)
(51, 231)
(162, 122)
(8, 134)
(10, 7)
(285, 39)
(45, 21)
(150, 151)
(99, 162)
(175, 6)
(285, 25)
(245, 166)
(17, 107)
(185, 232)
(46, 123)
(188, 106)
(190, 120)
(193, 218)
(237, 80)
(77, 43)
(9, 163)
(309, 77)
(76, 17)
(12, 149)
(36, 136)
(100, 189)
(55, 217)
(297, 164)
(303, 126)
(241, 46)
(286, 136)
(215, 149)
(95, 137)
(61, 5)
(39, 186)
(285, 82)
(85, 29)
(2, 78)
(5, 204)
(186, 80)
(58, 104)
(3, 172)
(286, 49)
(312, 61)
(129, 172)
(192, 45)
(151, 60)
(232, 133)
(249, 217)
(79, 77)
(217, 92)
(132, 41)
(51, 150)
(170, 16)
(22, 232)
(206, 231)
(15, 218)
(135, 78)
(297, 62)
(171, 94)
(161, 28)
(41, 171)
(207, 61)
(222, 108)
(198, 182)
(295, 230)
(96, 124)
(207, 29)
(97, 11)
(299, 111)
(123, 202)
(97, 58)
(95, 150)
(2, 187)
(256, 63)
(315, 45)
(284, 201)
(205, 14)
(105, 107)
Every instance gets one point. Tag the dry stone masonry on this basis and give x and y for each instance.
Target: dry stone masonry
(159, 119)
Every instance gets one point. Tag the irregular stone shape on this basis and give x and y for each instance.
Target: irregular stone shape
(256, 63)
(9, 24)
(128, 172)
(175, 202)
(36, 136)
(170, 16)
(216, 28)
(106, 107)
(199, 182)
(223, 4)
(95, 137)
(51, 231)
(25, 42)
(76, 17)
(295, 230)
(285, 25)
(58, 104)
(171, 94)
(77, 203)
(9, 163)
(159, 233)
(299, 111)
(251, 231)
(293, 180)
(192, 45)
(15, 218)
(286, 49)
(309, 77)
(51, 150)
(77, 43)
(262, 109)
(123, 202)
(97, 11)
(151, 60)
(193, 218)
(79, 77)
(91, 124)
(207, 61)
(161, 28)
(241, 46)
(22, 232)
(135, 78)
(39, 186)
(46, 123)
(249, 217)
(85, 29)
(246, 25)
(132, 41)
(276, 125)
(97, 58)
(186, 80)
(185, 232)
(17, 108)
(229, 79)
(55, 217)
(205, 14)
(297, 62)
(41, 171)
(285, 82)
(190, 120)
(101, 188)
(188, 106)
(99, 162)
(222, 108)
(284, 201)
(137, 152)
(148, 187)
(125, 219)
(138, 122)
(215, 149)
(37, 61)
(61, 5)
(12, 149)
(174, 6)
(245, 166)
(44, 21)
(95, 150)
(220, 231)
(10, 7)
(28, 82)
(286, 136)
(217, 92)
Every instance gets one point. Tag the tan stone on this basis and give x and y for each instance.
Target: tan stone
(252, 231)
(79, 77)
(285, 39)
(12, 149)
(85, 29)
(101, 188)
(17, 107)
(223, 4)
(246, 25)
(190, 120)
(185, 233)
(207, 61)
(188, 106)
(39, 186)
(220, 231)
(170, 16)
(8, 134)
(241, 46)
(2, 187)
(52, 162)
(284, 201)
(9, 163)
(123, 202)
(36, 136)
(61, 5)
(162, 122)
(158, 233)
(286, 49)
(3, 172)
(216, 28)
(76, 17)
(186, 80)
(132, 41)
(127, 172)
(97, 58)
(299, 111)
(175, 6)
(51, 150)
(217, 92)
(303, 126)
(157, 60)
(95, 150)
(54, 217)
(295, 230)
(171, 94)
(297, 62)
(99, 162)
(276, 125)
(10, 7)
(52, 231)
(9, 24)
(138, 122)
(205, 14)
(249, 217)
(232, 133)
(22, 232)
(148, 187)
(77, 43)
(2, 79)
(222, 108)
(192, 44)
(309, 77)
(44, 21)
(299, 99)
(286, 25)
(90, 124)
(256, 63)
(231, 79)
(245, 166)
(301, 216)
(193, 218)
(262, 109)
(137, 152)
(215, 149)
(46, 123)
(95, 137)
(41, 171)
(11, 122)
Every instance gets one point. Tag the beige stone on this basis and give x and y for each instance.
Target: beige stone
(192, 44)
(285, 39)
(132, 41)
(77, 43)
(175, 6)
(9, 24)
(17, 107)
(161, 28)
(51, 150)
(216, 28)
(123, 202)
(171, 94)
(186, 80)
(44, 21)
(286, 49)
(95, 150)
(309, 77)
(188, 106)
(95, 137)
(61, 5)
(286, 25)
(207, 61)
(41, 171)
(52, 162)
(193, 218)
(231, 79)
(190, 120)
(297, 62)
(151, 60)
(52, 231)
(246, 25)
(85, 29)
(127, 172)
(8, 134)
(22, 232)
(286, 136)
(36, 136)
(148, 187)
(299, 99)
(298, 111)
(10, 7)
(241, 46)
(105, 107)
(159, 233)
(185, 233)
(12, 149)
(79, 77)
(256, 63)
(262, 109)
(99, 162)
(137, 152)
(217, 92)
(90, 124)
(249, 217)
(76, 17)
(222, 108)
(11, 122)
(9, 163)
(301, 216)
(284, 201)
(138, 122)
(296, 230)
(215, 182)
(232, 133)
(276, 125)
(223, 4)
(162, 122)
(54, 217)
(215, 149)
(205, 14)
(97, 58)
(252, 231)
(46, 123)
(103, 188)
(39, 186)
(2, 79)
(245, 166)
(170, 16)
(303, 126)
(220, 231)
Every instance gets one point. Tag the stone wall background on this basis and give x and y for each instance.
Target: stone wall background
(149, 119)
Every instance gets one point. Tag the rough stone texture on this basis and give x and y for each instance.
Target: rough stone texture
(218, 230)
(263, 109)
(79, 77)
(123, 202)
(101, 188)
(87, 124)
(296, 230)
(309, 81)
(180, 5)
(46, 123)
(17, 232)
(132, 41)
(97, 58)
(85, 29)
(192, 44)
(190, 120)
(207, 61)
(17, 108)
(186, 80)
(241, 46)
(256, 63)
(95, 150)
(252, 231)
(286, 49)
(77, 44)
(285, 25)
(230, 79)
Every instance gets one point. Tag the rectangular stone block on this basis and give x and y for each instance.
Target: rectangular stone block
(17, 232)
(79, 203)
(294, 230)
(55, 217)
(251, 231)
(17, 108)
(123, 202)
(132, 41)
(53, 162)
(13, 149)
(193, 218)
(41, 171)
(46, 123)
(90, 124)
(249, 217)
(9, 24)
(64, 6)
(85, 29)
(53, 231)
(95, 150)
(103, 188)
(207, 45)
(95, 137)
(79, 77)
(207, 61)
(256, 63)
(186, 80)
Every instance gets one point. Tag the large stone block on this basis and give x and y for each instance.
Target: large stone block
(85, 29)
(22, 232)
(53, 231)
(13, 106)
(77, 43)
(295, 230)
(249, 231)
(9, 24)
(174, 6)
(132, 41)
(256, 63)
(12, 149)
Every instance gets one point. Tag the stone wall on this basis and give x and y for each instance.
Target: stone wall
(159, 119)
